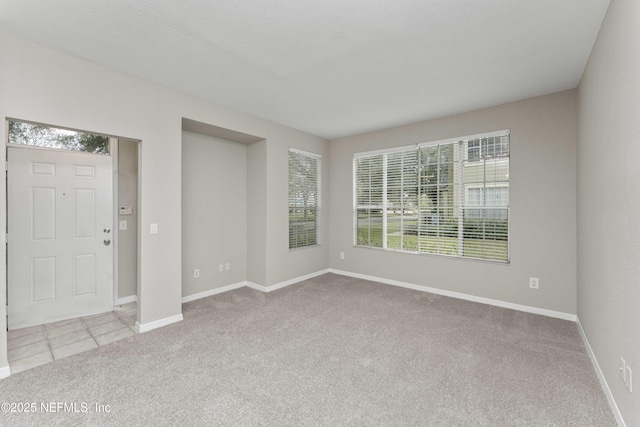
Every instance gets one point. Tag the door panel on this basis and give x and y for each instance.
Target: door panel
(43, 279)
(43, 168)
(60, 213)
(84, 213)
(43, 212)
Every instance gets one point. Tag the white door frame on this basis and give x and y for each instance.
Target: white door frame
(113, 151)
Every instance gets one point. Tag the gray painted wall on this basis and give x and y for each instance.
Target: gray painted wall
(256, 215)
(46, 86)
(42, 85)
(214, 212)
(609, 201)
(128, 239)
(542, 197)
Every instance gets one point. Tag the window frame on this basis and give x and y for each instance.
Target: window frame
(492, 250)
(481, 150)
(315, 207)
(54, 138)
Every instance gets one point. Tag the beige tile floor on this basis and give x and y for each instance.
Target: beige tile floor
(37, 345)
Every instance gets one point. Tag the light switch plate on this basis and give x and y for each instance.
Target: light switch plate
(154, 229)
(122, 225)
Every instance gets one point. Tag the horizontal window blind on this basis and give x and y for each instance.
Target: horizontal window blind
(447, 198)
(304, 198)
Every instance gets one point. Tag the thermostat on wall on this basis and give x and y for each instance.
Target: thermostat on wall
(125, 210)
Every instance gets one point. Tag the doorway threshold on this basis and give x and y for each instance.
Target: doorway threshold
(38, 345)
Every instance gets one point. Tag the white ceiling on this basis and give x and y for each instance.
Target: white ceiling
(331, 68)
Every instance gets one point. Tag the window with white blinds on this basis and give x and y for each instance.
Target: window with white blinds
(447, 198)
(304, 198)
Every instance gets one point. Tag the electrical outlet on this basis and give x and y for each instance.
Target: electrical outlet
(196, 273)
(227, 266)
(534, 283)
(623, 370)
(221, 267)
(341, 255)
(629, 381)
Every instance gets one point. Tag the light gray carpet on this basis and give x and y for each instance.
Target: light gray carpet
(329, 351)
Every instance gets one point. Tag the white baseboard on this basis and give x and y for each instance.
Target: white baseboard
(257, 287)
(286, 283)
(600, 375)
(126, 300)
(296, 280)
(262, 288)
(146, 327)
(459, 295)
(5, 372)
(213, 292)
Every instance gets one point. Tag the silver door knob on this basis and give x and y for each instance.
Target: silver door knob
(107, 242)
(107, 230)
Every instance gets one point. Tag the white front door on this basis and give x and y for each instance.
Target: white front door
(60, 235)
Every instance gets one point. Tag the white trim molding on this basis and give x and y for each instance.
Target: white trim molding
(126, 300)
(286, 283)
(257, 287)
(215, 291)
(146, 327)
(459, 295)
(5, 372)
(600, 375)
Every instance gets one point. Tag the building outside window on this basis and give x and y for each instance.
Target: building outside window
(446, 197)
